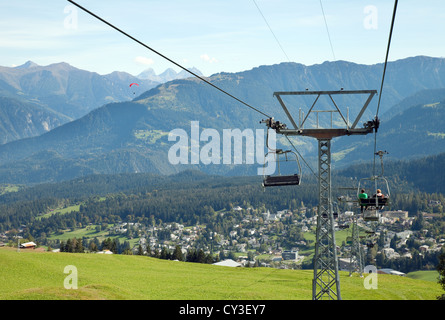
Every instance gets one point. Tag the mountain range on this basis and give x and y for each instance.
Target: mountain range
(45, 97)
(167, 75)
(411, 129)
(132, 135)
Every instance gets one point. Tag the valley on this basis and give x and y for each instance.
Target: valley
(224, 217)
(102, 180)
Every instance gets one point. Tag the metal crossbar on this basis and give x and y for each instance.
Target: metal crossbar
(333, 132)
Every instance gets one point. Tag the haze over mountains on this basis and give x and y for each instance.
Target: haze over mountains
(117, 130)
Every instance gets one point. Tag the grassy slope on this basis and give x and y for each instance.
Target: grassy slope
(40, 275)
(424, 275)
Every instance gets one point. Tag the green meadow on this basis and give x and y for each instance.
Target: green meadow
(33, 275)
(61, 211)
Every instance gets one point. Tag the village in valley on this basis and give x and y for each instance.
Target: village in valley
(256, 237)
(285, 239)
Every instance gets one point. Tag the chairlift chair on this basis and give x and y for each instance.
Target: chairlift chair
(279, 179)
(372, 205)
(334, 214)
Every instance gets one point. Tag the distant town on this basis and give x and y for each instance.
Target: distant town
(284, 239)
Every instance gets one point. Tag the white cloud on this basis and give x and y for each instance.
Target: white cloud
(206, 58)
(143, 60)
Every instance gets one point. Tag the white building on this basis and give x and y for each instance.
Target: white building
(391, 271)
(228, 263)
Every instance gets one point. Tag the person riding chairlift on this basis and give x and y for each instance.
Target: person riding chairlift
(379, 194)
(362, 195)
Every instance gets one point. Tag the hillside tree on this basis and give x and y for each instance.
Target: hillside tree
(441, 270)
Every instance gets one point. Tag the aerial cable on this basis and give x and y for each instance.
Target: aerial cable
(387, 53)
(329, 38)
(383, 79)
(276, 39)
(166, 58)
(327, 30)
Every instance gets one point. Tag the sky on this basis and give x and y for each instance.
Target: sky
(216, 35)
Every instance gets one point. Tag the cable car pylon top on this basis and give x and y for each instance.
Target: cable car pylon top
(325, 133)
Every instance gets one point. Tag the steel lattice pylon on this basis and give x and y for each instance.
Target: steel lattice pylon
(326, 282)
(356, 258)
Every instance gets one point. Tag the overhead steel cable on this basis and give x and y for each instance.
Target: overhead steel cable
(387, 53)
(330, 41)
(327, 30)
(167, 58)
(271, 31)
(383, 79)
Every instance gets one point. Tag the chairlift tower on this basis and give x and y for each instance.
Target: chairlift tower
(325, 284)
(356, 257)
(356, 253)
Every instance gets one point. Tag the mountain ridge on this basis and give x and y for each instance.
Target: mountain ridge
(132, 136)
(20, 119)
(168, 75)
(66, 89)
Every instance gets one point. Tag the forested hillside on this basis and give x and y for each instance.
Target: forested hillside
(192, 197)
(117, 212)
(425, 174)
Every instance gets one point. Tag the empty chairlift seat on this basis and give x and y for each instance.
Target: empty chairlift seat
(276, 181)
(290, 178)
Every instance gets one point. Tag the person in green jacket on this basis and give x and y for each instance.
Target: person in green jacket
(362, 195)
